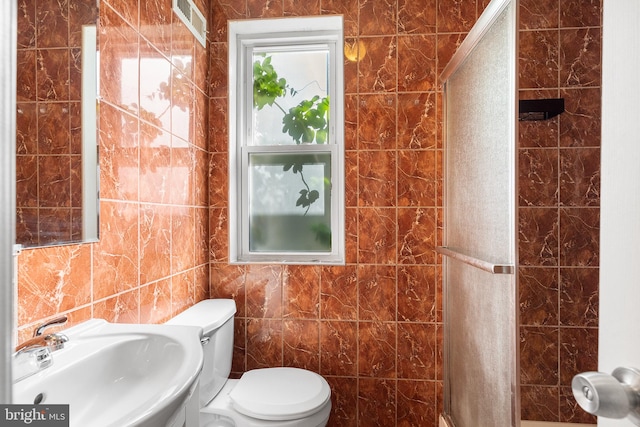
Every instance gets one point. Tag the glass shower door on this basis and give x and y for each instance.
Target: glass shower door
(479, 241)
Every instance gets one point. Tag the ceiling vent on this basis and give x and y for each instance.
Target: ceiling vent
(192, 18)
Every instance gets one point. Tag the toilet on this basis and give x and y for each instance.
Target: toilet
(268, 397)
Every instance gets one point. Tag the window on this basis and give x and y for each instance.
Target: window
(286, 141)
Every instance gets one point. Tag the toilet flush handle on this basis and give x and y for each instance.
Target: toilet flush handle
(205, 340)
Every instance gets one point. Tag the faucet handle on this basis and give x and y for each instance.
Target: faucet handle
(55, 321)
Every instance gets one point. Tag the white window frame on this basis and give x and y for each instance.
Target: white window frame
(244, 35)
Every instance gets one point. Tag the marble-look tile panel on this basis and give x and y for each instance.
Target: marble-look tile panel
(377, 236)
(264, 291)
(155, 23)
(26, 14)
(580, 57)
(538, 236)
(539, 403)
(579, 302)
(538, 296)
(54, 178)
(52, 29)
(218, 234)
(301, 292)
(344, 401)
(377, 17)
(580, 177)
(377, 185)
(417, 120)
(417, 403)
(538, 177)
(580, 13)
(416, 63)
(538, 14)
(417, 293)
(416, 178)
(455, 16)
(264, 9)
(301, 344)
(338, 349)
(377, 70)
(578, 352)
(377, 292)
(580, 124)
(579, 237)
(339, 293)
(377, 349)
(539, 347)
(376, 402)
(349, 9)
(416, 17)
(182, 238)
(416, 236)
(538, 59)
(122, 308)
(155, 302)
(264, 343)
(416, 351)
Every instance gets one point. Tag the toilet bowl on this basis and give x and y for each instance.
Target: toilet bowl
(268, 397)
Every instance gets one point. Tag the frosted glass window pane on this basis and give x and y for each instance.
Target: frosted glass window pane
(290, 203)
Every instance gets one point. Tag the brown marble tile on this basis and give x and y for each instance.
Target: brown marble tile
(416, 63)
(377, 122)
(83, 12)
(539, 134)
(264, 291)
(52, 29)
(579, 302)
(377, 70)
(417, 17)
(417, 351)
(539, 237)
(538, 14)
(155, 165)
(218, 234)
(538, 177)
(27, 181)
(155, 302)
(264, 9)
(182, 103)
(376, 402)
(26, 15)
(539, 403)
(539, 355)
(538, 296)
(416, 235)
(578, 352)
(52, 280)
(155, 242)
(219, 177)
(538, 59)
(127, 9)
(376, 178)
(301, 292)
(455, 16)
(183, 236)
(264, 343)
(580, 57)
(417, 120)
(447, 46)
(183, 292)
(228, 281)
(351, 178)
(118, 137)
(417, 293)
(155, 23)
(579, 237)
(26, 78)
(181, 177)
(301, 344)
(344, 401)
(218, 134)
(377, 17)
(338, 348)
(122, 308)
(53, 128)
(239, 362)
(581, 121)
(26, 128)
(54, 181)
(580, 177)
(349, 9)
(339, 293)
(377, 349)
(377, 291)
(201, 238)
(377, 236)
(115, 262)
(351, 235)
(416, 178)
(580, 13)
(296, 8)
(416, 403)
(119, 57)
(52, 74)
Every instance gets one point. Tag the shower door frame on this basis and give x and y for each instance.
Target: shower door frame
(483, 26)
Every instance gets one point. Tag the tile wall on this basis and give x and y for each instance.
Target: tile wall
(151, 261)
(559, 183)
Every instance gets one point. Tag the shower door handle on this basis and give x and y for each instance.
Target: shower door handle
(476, 262)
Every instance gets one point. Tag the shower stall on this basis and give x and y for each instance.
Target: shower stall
(479, 252)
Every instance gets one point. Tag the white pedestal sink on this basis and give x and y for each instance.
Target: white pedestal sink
(120, 375)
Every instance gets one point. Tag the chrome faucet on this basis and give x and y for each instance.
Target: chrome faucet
(52, 341)
(34, 354)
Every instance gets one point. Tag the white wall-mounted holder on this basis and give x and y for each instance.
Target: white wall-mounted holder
(610, 396)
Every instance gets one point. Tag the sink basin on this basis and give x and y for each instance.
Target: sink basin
(120, 375)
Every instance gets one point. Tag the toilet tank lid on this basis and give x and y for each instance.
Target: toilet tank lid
(208, 314)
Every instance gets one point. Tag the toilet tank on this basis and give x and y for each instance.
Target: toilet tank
(215, 317)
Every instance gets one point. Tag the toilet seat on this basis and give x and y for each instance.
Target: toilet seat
(279, 393)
